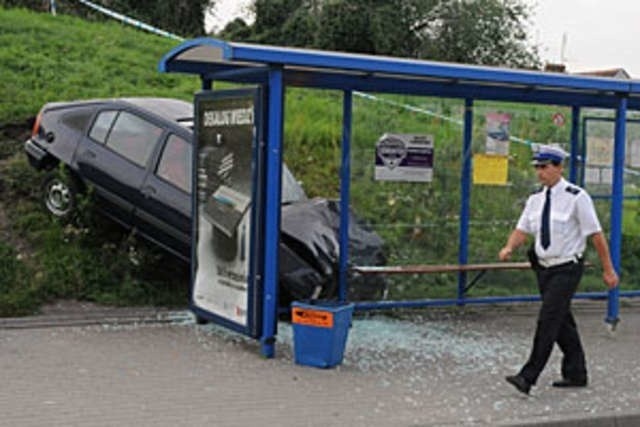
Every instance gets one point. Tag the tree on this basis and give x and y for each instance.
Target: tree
(182, 17)
(271, 17)
(490, 32)
(371, 26)
(236, 30)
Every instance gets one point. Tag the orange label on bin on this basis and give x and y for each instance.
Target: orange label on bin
(305, 316)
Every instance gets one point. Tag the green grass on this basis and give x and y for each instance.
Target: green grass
(55, 58)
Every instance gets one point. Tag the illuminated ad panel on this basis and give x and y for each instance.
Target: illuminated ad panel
(226, 160)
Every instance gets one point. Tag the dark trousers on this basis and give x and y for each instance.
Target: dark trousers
(556, 324)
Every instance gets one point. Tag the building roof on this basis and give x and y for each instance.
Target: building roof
(616, 73)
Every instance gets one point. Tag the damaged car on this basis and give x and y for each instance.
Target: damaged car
(136, 156)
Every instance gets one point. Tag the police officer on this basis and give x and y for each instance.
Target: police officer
(560, 216)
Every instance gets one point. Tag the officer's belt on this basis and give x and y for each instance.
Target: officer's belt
(557, 261)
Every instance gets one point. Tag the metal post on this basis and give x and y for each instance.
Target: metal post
(207, 83)
(575, 144)
(272, 211)
(583, 151)
(615, 237)
(465, 195)
(345, 177)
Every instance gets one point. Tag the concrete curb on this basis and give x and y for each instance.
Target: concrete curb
(613, 419)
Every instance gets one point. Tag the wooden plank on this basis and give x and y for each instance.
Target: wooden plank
(442, 268)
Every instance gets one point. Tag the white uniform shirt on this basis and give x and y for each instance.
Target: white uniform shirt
(572, 219)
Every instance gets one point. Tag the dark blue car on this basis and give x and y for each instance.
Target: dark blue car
(134, 152)
(136, 155)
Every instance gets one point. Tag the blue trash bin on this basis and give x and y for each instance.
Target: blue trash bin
(320, 331)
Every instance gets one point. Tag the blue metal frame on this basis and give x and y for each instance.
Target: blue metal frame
(275, 114)
(583, 149)
(616, 205)
(309, 68)
(345, 197)
(575, 142)
(465, 197)
(617, 197)
(276, 67)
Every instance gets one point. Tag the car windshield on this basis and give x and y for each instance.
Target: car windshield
(291, 189)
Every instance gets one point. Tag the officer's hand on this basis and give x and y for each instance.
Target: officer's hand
(505, 253)
(610, 278)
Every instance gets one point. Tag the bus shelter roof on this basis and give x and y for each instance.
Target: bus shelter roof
(249, 63)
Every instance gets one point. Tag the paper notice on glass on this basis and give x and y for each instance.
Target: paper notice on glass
(592, 175)
(497, 133)
(606, 176)
(599, 151)
(490, 169)
(633, 153)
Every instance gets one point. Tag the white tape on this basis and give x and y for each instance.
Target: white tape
(427, 112)
(131, 21)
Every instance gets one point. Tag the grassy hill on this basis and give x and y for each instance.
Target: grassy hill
(46, 58)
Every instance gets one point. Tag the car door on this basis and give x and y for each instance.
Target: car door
(114, 156)
(164, 211)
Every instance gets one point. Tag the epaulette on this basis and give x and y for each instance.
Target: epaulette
(572, 190)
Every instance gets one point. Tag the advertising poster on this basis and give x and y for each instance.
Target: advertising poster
(404, 157)
(226, 138)
(497, 126)
(490, 169)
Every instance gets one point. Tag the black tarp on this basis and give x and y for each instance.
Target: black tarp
(309, 253)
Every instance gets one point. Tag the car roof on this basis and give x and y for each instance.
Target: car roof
(171, 109)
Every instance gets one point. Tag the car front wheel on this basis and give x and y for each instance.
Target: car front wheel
(59, 191)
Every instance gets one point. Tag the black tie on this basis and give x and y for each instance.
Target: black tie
(545, 237)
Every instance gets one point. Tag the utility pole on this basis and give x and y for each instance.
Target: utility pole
(563, 48)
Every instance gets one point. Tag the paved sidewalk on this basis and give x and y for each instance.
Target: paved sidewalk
(436, 367)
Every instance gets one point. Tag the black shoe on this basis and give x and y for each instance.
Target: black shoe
(519, 383)
(566, 382)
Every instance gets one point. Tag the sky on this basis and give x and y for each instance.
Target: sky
(598, 34)
(225, 11)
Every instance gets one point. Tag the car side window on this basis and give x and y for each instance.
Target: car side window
(101, 126)
(175, 163)
(133, 137)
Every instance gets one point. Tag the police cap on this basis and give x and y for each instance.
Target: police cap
(546, 154)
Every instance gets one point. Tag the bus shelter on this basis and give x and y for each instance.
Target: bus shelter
(273, 68)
